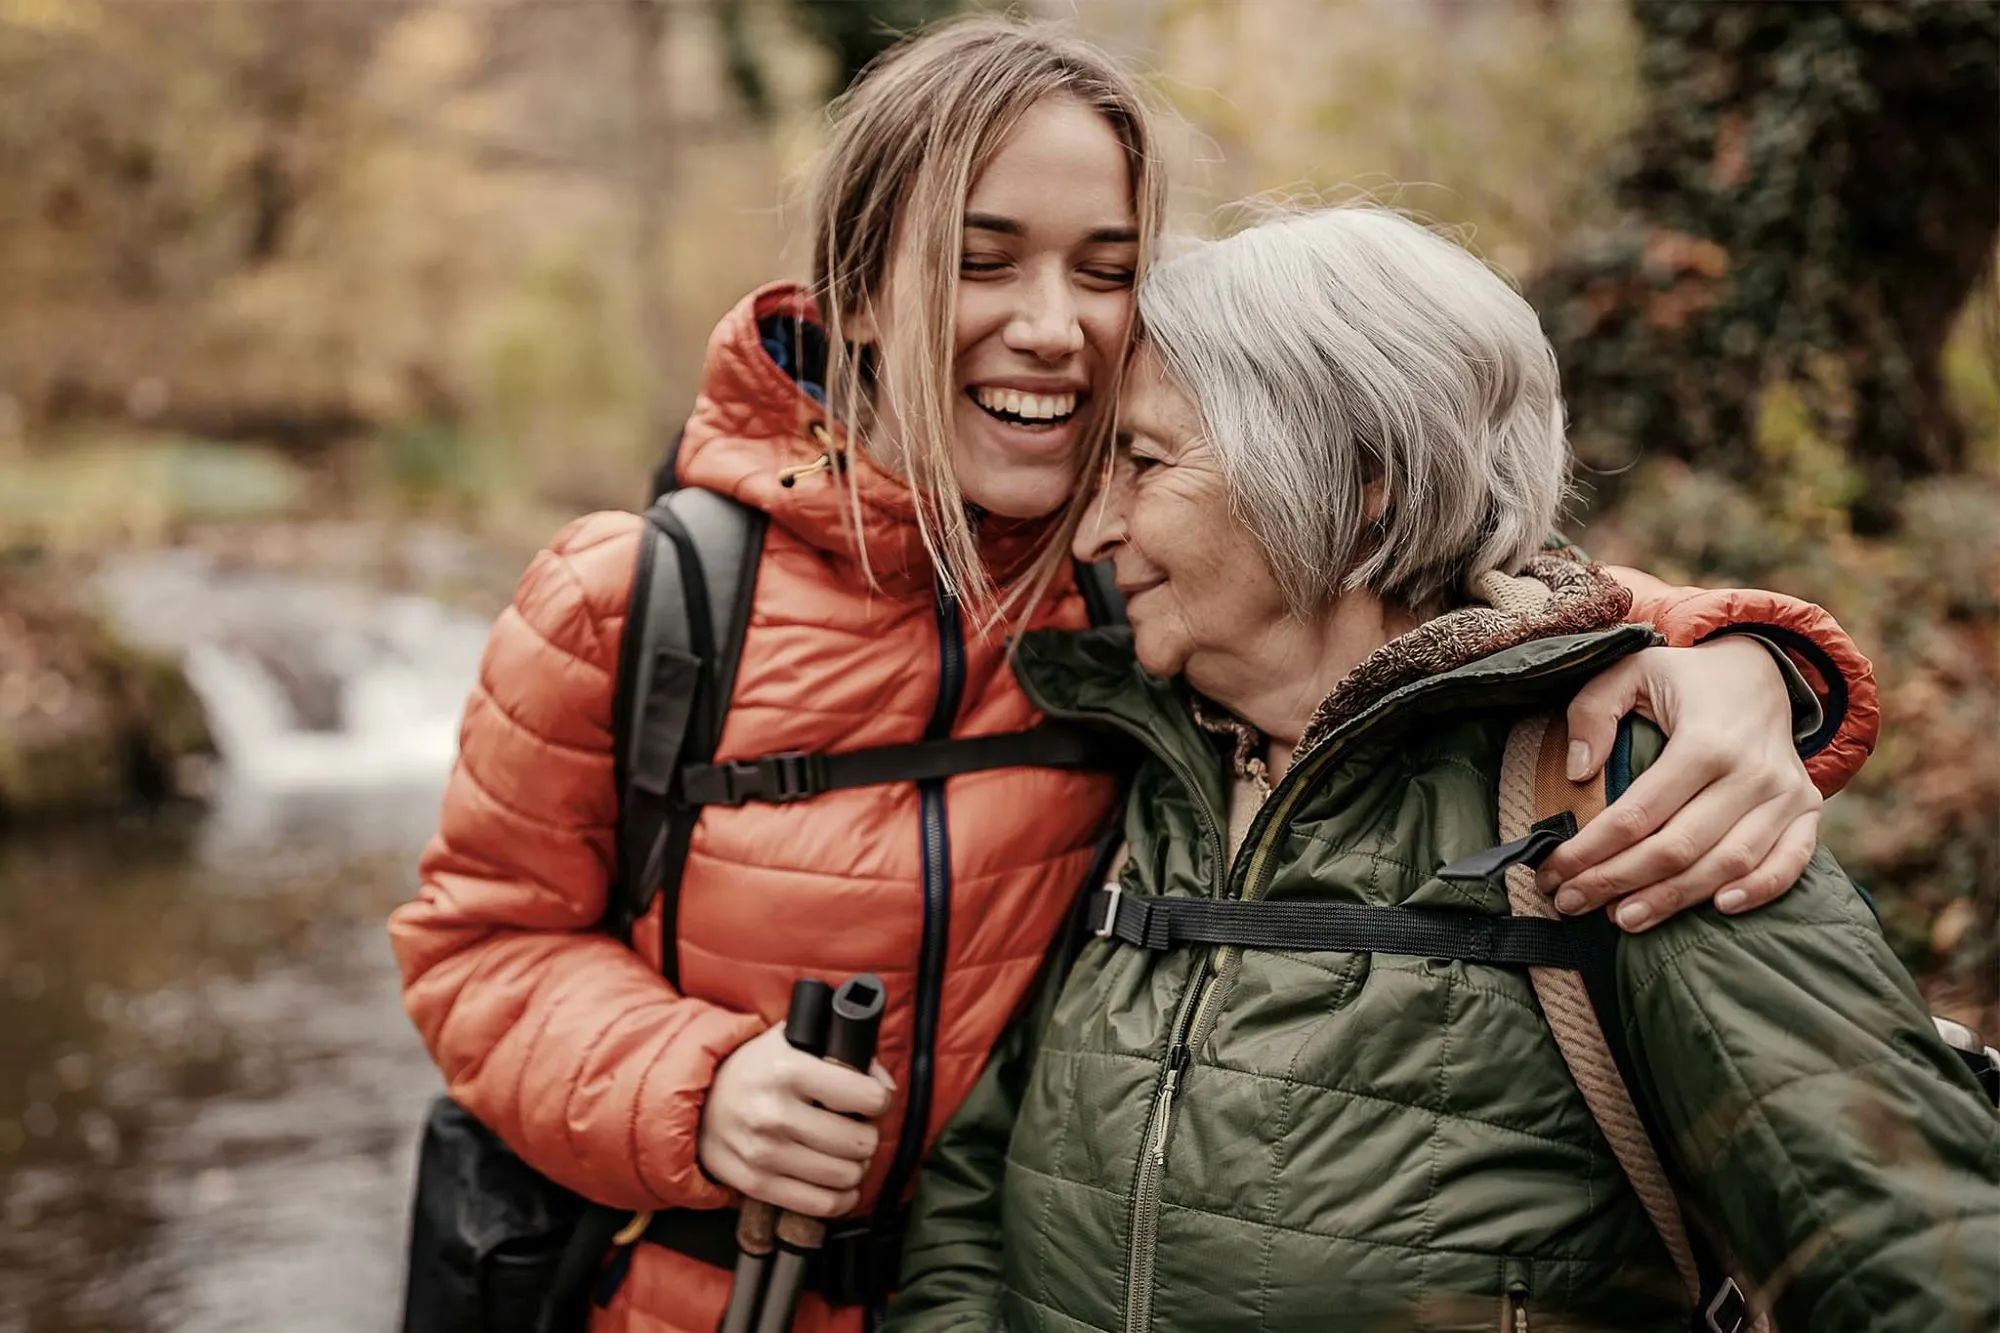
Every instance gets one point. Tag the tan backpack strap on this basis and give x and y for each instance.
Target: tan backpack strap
(1533, 787)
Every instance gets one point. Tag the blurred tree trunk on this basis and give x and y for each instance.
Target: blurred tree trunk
(1812, 194)
(856, 31)
(652, 159)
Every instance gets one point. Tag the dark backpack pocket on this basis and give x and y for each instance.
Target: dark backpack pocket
(515, 1283)
(487, 1233)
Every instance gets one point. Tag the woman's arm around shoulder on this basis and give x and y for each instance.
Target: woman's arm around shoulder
(560, 1039)
(1818, 648)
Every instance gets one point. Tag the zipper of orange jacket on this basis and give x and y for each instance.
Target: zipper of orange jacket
(936, 837)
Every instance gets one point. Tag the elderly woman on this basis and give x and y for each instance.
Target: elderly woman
(1342, 435)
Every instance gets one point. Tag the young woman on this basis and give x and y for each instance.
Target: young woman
(918, 426)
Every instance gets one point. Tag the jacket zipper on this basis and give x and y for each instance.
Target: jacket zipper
(1152, 1164)
(1193, 1023)
(1144, 1249)
(1515, 1318)
(937, 915)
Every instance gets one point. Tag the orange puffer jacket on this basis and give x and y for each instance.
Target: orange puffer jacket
(574, 1049)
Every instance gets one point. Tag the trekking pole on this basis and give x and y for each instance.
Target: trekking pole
(850, 1041)
(806, 1029)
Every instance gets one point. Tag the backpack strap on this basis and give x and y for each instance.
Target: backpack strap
(691, 591)
(1582, 1009)
(666, 472)
(782, 778)
(1534, 789)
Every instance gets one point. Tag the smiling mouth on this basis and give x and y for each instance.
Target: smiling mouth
(1034, 411)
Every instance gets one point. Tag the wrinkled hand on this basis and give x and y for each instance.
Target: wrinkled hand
(776, 1126)
(1726, 812)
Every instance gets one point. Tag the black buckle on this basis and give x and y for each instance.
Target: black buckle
(778, 779)
(1728, 1312)
(795, 775)
(1531, 849)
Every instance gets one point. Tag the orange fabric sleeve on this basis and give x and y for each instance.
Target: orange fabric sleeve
(565, 1043)
(1827, 658)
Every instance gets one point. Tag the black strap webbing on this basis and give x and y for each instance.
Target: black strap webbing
(1162, 923)
(856, 1266)
(780, 778)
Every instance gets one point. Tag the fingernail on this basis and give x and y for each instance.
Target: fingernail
(1579, 760)
(1634, 915)
(1569, 901)
(1731, 900)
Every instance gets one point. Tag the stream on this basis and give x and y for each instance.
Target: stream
(209, 1095)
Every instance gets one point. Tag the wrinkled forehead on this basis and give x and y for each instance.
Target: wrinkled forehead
(1152, 405)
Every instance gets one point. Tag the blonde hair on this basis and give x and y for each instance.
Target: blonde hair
(908, 141)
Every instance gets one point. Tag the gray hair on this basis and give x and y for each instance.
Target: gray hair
(1334, 349)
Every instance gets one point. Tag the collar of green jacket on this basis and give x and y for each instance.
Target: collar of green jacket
(1478, 657)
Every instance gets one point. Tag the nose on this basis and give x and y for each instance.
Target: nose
(1102, 530)
(1046, 324)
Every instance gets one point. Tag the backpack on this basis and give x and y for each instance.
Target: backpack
(495, 1247)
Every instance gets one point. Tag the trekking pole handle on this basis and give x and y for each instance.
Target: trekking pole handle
(857, 1022)
(807, 1023)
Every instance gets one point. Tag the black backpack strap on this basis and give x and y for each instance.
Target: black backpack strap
(1165, 923)
(1100, 593)
(691, 594)
(657, 644)
(665, 473)
(782, 778)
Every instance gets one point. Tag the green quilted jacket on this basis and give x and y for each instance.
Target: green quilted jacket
(1214, 1139)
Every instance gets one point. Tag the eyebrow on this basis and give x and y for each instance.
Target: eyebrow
(1009, 227)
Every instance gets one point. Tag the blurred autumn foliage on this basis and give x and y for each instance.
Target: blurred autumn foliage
(1808, 198)
(457, 260)
(1807, 202)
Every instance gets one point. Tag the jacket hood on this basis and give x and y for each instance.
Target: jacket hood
(761, 416)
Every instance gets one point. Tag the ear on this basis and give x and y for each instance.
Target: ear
(1375, 500)
(859, 326)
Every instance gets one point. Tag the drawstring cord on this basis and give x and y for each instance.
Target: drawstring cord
(788, 477)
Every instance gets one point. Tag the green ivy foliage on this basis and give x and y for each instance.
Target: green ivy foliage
(1810, 197)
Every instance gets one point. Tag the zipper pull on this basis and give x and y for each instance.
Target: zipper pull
(1177, 1060)
(1517, 1307)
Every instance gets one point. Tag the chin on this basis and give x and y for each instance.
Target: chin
(1159, 659)
(1023, 492)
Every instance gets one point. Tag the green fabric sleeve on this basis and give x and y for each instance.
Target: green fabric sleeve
(1836, 1151)
(952, 1257)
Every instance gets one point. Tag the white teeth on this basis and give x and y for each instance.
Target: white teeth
(1028, 406)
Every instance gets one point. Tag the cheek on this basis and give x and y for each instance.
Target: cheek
(1107, 324)
(978, 314)
(1192, 540)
